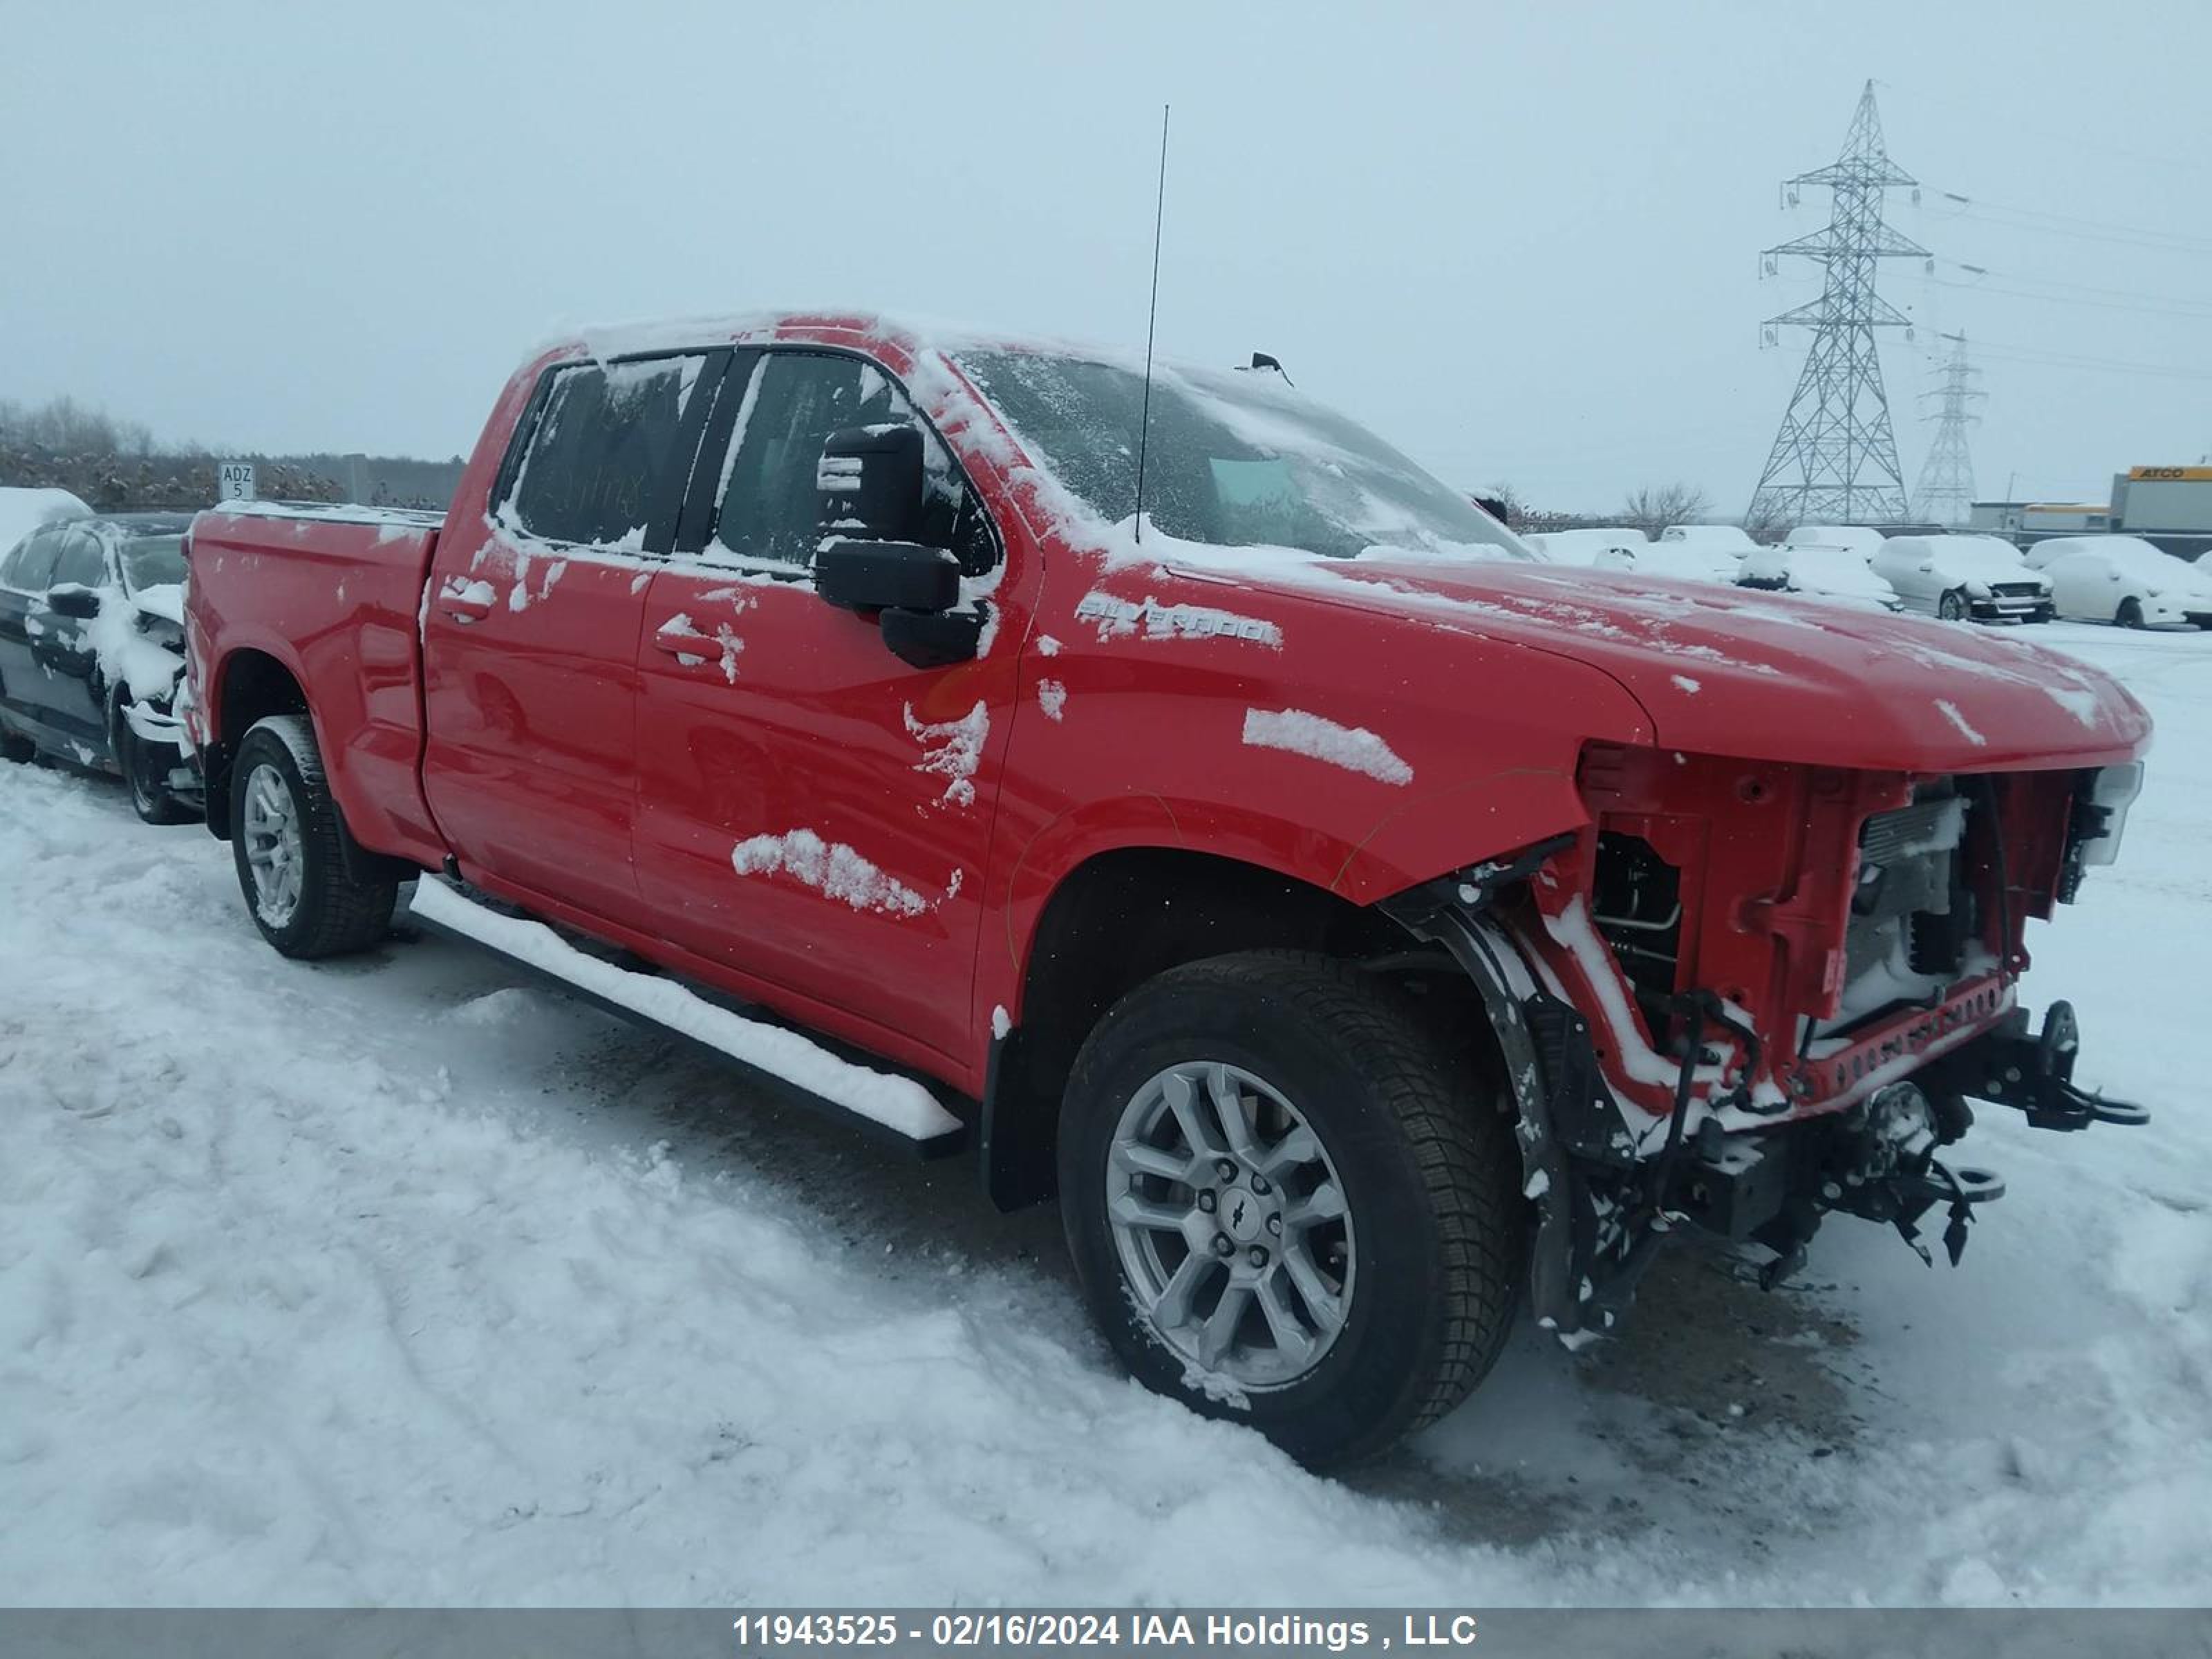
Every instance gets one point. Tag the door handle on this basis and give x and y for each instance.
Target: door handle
(465, 601)
(677, 637)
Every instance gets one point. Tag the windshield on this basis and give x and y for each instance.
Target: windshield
(1981, 553)
(1234, 460)
(152, 561)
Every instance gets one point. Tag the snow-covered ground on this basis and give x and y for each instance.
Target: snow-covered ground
(390, 1281)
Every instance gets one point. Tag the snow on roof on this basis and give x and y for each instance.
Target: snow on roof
(913, 332)
(2130, 555)
(23, 509)
(1861, 539)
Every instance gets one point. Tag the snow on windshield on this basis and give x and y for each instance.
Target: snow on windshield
(1233, 460)
(1834, 570)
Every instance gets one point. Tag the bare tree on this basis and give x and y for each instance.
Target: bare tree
(1654, 507)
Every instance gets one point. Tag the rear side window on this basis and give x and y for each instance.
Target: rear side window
(609, 453)
(770, 506)
(31, 566)
(84, 560)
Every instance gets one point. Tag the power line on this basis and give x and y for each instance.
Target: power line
(2076, 288)
(2070, 360)
(2060, 224)
(2184, 309)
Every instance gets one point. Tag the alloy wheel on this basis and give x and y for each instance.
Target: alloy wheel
(1231, 1225)
(275, 847)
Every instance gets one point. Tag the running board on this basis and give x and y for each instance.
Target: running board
(895, 1109)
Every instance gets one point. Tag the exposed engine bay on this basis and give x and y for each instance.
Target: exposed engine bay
(1749, 996)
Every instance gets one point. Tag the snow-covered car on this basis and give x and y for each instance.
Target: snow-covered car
(1964, 578)
(1632, 550)
(1681, 562)
(24, 510)
(92, 645)
(2123, 580)
(1835, 574)
(1590, 547)
(1729, 538)
(1856, 539)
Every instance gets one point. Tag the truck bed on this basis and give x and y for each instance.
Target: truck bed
(333, 595)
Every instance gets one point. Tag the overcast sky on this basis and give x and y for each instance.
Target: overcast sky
(1522, 241)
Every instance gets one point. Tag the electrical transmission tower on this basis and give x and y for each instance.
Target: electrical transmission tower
(1835, 458)
(1945, 489)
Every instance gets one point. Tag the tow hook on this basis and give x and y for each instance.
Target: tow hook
(1964, 1188)
(2034, 1072)
(1886, 1171)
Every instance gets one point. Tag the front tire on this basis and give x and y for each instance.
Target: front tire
(1951, 607)
(285, 839)
(145, 771)
(1285, 1207)
(2130, 613)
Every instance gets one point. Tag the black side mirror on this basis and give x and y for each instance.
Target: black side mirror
(74, 599)
(912, 590)
(871, 480)
(871, 575)
(933, 639)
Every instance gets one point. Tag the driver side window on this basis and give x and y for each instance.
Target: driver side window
(84, 560)
(30, 567)
(771, 504)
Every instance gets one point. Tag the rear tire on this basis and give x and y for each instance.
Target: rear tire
(1417, 1280)
(2130, 614)
(145, 771)
(285, 841)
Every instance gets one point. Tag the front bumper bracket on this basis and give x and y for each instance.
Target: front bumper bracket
(2032, 1072)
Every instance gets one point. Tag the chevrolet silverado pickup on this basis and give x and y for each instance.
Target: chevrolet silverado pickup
(1154, 784)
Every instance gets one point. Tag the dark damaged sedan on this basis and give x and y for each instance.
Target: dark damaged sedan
(91, 650)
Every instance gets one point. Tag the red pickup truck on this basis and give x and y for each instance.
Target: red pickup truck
(1208, 818)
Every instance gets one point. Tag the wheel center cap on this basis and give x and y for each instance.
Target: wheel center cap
(1242, 1216)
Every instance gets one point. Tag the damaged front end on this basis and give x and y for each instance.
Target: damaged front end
(1749, 995)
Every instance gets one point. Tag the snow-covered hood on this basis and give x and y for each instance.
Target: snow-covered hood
(1765, 676)
(2164, 573)
(164, 600)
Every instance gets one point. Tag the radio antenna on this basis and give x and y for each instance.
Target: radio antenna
(1151, 317)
